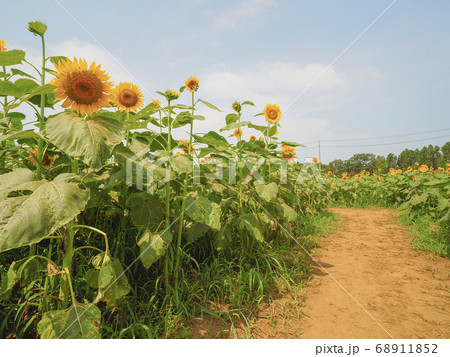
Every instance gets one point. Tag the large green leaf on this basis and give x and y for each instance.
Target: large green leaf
(232, 126)
(112, 282)
(267, 192)
(202, 210)
(27, 219)
(91, 141)
(78, 321)
(145, 209)
(11, 58)
(213, 139)
(153, 246)
(251, 224)
(286, 212)
(181, 163)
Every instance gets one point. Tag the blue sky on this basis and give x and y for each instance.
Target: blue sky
(393, 81)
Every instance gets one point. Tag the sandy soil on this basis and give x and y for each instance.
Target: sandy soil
(406, 292)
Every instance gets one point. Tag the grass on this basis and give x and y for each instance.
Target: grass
(427, 234)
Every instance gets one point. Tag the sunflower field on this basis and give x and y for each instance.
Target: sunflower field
(112, 227)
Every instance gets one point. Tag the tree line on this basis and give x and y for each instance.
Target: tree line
(433, 156)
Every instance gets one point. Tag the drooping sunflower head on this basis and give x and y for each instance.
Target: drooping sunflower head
(288, 151)
(156, 102)
(172, 94)
(47, 160)
(423, 168)
(272, 112)
(127, 97)
(237, 133)
(191, 84)
(253, 137)
(315, 160)
(2, 46)
(83, 89)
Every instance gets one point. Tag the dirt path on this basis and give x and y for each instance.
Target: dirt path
(370, 255)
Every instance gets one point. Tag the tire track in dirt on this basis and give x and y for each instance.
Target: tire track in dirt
(371, 256)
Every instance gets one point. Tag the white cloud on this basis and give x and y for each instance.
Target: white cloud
(243, 13)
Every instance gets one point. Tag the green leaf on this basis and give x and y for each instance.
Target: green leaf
(231, 118)
(260, 128)
(181, 163)
(209, 105)
(267, 192)
(18, 72)
(213, 139)
(56, 59)
(26, 134)
(9, 88)
(145, 209)
(25, 85)
(251, 224)
(153, 246)
(11, 58)
(196, 231)
(204, 211)
(112, 282)
(27, 219)
(247, 102)
(91, 141)
(286, 212)
(78, 321)
(235, 125)
(291, 143)
(91, 278)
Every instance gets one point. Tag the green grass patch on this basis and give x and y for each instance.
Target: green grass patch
(428, 235)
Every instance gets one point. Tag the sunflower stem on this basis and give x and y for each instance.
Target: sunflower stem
(41, 116)
(5, 104)
(169, 149)
(183, 207)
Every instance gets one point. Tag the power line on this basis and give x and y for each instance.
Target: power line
(384, 144)
(381, 137)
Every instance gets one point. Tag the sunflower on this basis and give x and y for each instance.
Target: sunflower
(2, 45)
(272, 113)
(83, 89)
(379, 169)
(447, 164)
(423, 168)
(375, 175)
(315, 160)
(448, 170)
(172, 94)
(237, 133)
(236, 106)
(414, 177)
(441, 169)
(261, 138)
(330, 173)
(185, 145)
(156, 102)
(288, 151)
(416, 163)
(381, 177)
(345, 173)
(393, 172)
(399, 171)
(433, 172)
(253, 137)
(345, 178)
(409, 169)
(127, 97)
(367, 173)
(191, 84)
(47, 160)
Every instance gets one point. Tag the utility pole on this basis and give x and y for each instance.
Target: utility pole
(320, 161)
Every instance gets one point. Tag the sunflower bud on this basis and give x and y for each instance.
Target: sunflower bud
(37, 27)
(236, 107)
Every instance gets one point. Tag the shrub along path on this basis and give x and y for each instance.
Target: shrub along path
(371, 256)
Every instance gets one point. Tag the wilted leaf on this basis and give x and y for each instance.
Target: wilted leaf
(145, 209)
(78, 321)
(153, 246)
(251, 224)
(112, 282)
(28, 219)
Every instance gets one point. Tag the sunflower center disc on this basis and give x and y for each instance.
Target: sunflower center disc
(128, 98)
(272, 114)
(84, 88)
